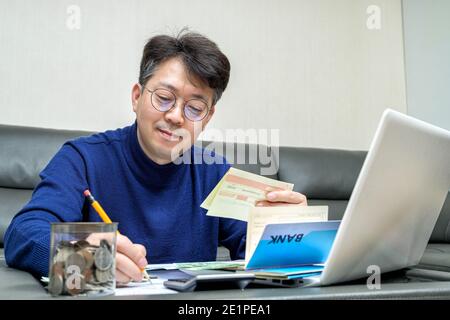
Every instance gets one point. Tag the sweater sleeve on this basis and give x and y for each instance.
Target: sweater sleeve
(233, 236)
(58, 197)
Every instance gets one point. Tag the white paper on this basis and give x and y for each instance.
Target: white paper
(156, 286)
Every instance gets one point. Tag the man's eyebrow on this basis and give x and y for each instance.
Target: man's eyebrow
(172, 88)
(167, 86)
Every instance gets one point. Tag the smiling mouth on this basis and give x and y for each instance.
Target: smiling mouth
(169, 135)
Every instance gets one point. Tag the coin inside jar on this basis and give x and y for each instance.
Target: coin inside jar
(103, 276)
(76, 259)
(88, 257)
(65, 244)
(63, 253)
(104, 243)
(103, 259)
(78, 287)
(81, 244)
(58, 268)
(56, 284)
(87, 274)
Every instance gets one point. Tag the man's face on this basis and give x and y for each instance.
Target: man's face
(160, 134)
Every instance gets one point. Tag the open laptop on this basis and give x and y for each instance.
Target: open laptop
(396, 201)
(394, 205)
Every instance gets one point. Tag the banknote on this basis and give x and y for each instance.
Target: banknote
(206, 265)
(238, 191)
(211, 265)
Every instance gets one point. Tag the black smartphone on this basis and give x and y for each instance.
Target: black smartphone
(213, 281)
(182, 285)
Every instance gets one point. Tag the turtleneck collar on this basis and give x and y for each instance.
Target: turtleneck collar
(144, 168)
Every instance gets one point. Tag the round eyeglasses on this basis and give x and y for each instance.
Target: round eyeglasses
(163, 100)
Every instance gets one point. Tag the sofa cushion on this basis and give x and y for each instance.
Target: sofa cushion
(321, 173)
(441, 232)
(255, 158)
(436, 256)
(26, 151)
(336, 208)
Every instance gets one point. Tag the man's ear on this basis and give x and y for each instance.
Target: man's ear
(135, 95)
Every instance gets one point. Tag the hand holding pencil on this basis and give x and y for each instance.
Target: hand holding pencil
(130, 257)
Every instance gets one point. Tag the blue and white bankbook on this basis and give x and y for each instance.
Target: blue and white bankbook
(293, 250)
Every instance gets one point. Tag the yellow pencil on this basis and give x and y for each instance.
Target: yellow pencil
(106, 219)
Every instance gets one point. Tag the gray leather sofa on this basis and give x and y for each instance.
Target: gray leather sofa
(325, 176)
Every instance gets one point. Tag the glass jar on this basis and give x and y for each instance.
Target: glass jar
(82, 258)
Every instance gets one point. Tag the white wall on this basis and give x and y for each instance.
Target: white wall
(427, 60)
(311, 69)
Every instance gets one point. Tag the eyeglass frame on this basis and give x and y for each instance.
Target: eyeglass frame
(175, 103)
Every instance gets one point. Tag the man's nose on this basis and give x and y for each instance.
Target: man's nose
(175, 115)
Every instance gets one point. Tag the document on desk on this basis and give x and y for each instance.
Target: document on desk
(204, 265)
(260, 217)
(211, 265)
(155, 286)
(237, 192)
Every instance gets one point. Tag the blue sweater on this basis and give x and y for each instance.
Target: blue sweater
(155, 205)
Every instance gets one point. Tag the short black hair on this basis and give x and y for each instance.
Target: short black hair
(201, 57)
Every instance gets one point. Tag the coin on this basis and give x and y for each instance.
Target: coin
(56, 284)
(87, 273)
(78, 287)
(58, 268)
(76, 259)
(88, 257)
(103, 259)
(105, 244)
(65, 244)
(62, 254)
(81, 244)
(103, 276)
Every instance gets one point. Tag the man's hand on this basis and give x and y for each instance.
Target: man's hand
(130, 259)
(282, 198)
